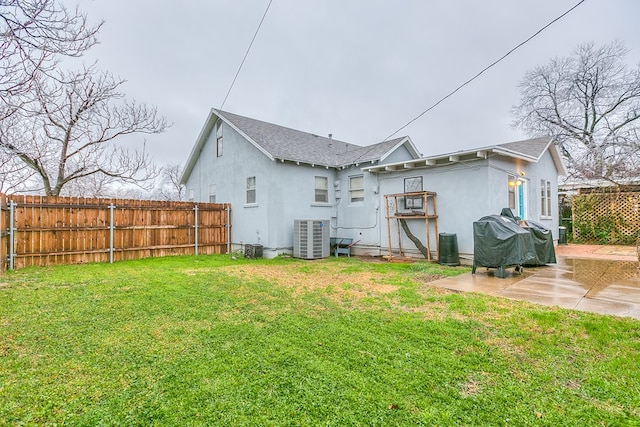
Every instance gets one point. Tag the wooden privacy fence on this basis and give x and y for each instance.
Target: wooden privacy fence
(38, 230)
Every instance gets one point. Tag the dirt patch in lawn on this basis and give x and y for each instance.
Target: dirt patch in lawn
(332, 279)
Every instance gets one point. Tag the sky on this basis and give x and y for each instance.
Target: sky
(358, 69)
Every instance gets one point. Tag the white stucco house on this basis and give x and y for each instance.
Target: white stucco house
(273, 175)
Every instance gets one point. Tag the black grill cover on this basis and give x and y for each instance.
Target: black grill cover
(542, 242)
(499, 242)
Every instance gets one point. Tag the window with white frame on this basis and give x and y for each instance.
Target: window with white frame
(219, 139)
(251, 190)
(413, 185)
(545, 197)
(191, 194)
(212, 193)
(512, 192)
(356, 188)
(321, 189)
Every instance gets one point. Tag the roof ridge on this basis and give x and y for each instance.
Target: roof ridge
(224, 113)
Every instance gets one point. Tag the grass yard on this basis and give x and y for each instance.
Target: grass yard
(209, 340)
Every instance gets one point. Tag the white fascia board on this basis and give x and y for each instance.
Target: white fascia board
(516, 155)
(197, 147)
(558, 160)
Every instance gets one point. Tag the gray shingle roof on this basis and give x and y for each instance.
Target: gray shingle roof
(294, 145)
(530, 147)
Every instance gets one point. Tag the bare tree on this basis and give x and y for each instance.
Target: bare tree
(169, 187)
(34, 35)
(15, 176)
(96, 185)
(68, 132)
(590, 103)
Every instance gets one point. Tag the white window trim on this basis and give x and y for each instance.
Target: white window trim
(315, 188)
(356, 202)
(219, 140)
(255, 192)
(545, 199)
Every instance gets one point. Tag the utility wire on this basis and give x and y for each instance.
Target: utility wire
(246, 54)
(485, 69)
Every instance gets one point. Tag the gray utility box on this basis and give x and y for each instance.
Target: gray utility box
(311, 238)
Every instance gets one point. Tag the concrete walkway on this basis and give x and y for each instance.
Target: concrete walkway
(600, 279)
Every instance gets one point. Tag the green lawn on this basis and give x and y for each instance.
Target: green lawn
(210, 340)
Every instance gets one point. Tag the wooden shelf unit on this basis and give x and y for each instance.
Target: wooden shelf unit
(428, 214)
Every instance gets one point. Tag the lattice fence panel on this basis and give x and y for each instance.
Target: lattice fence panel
(611, 218)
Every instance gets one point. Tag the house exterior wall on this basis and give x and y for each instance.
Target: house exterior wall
(465, 193)
(462, 197)
(285, 191)
(229, 174)
(357, 220)
(363, 221)
(292, 196)
(532, 174)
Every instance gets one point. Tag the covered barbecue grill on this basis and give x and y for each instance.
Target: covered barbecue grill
(542, 243)
(542, 239)
(498, 242)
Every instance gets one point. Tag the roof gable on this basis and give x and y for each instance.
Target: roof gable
(286, 144)
(533, 148)
(530, 150)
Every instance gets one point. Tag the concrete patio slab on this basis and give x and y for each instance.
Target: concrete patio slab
(607, 282)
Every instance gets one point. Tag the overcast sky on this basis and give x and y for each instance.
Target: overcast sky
(358, 69)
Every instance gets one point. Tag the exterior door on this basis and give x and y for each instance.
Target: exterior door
(517, 196)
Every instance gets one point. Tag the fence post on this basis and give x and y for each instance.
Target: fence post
(12, 208)
(228, 226)
(195, 209)
(111, 225)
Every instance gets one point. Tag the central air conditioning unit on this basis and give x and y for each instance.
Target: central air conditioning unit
(311, 238)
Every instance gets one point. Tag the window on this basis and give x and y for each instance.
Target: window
(219, 139)
(191, 195)
(212, 193)
(356, 188)
(251, 190)
(545, 198)
(413, 185)
(322, 189)
(512, 193)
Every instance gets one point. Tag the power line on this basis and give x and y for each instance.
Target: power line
(483, 70)
(246, 54)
